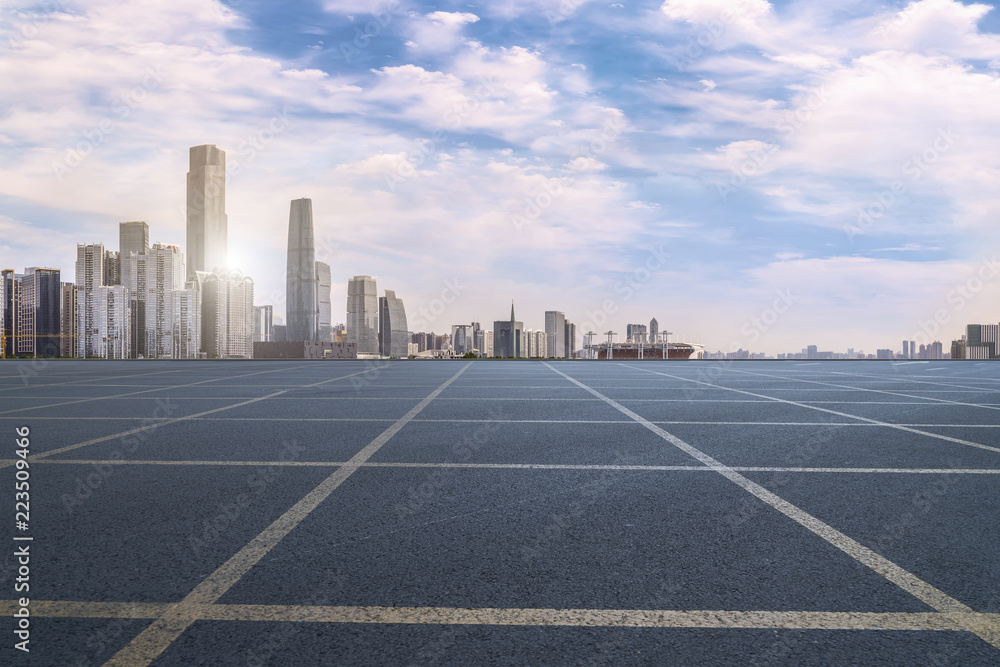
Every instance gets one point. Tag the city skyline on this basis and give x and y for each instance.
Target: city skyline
(727, 157)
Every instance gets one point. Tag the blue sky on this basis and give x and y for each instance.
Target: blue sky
(709, 163)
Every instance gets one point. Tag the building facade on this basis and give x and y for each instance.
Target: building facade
(113, 320)
(507, 337)
(301, 301)
(324, 308)
(164, 274)
(555, 332)
(89, 278)
(207, 223)
(362, 314)
(393, 338)
(67, 315)
(263, 324)
(226, 314)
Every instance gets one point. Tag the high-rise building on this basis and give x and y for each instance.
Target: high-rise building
(133, 247)
(362, 314)
(636, 333)
(133, 239)
(263, 323)
(113, 322)
(537, 343)
(226, 314)
(89, 278)
(393, 338)
(7, 287)
(186, 322)
(112, 268)
(67, 325)
(555, 333)
(654, 331)
(164, 274)
(207, 223)
(982, 341)
(323, 306)
(906, 349)
(507, 337)
(37, 311)
(570, 340)
(301, 303)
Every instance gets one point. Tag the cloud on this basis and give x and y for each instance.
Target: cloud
(439, 31)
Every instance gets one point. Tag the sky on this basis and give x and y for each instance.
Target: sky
(754, 175)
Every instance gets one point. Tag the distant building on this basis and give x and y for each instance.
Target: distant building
(507, 335)
(654, 331)
(207, 224)
(362, 314)
(537, 344)
(981, 341)
(133, 252)
(301, 300)
(636, 333)
(263, 321)
(879, 354)
(89, 278)
(186, 322)
(303, 350)
(393, 338)
(227, 314)
(466, 338)
(112, 268)
(112, 319)
(164, 269)
(958, 349)
(570, 340)
(31, 317)
(67, 317)
(324, 307)
(555, 333)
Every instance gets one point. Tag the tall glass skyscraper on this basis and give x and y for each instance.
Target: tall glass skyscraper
(301, 304)
(393, 338)
(362, 314)
(323, 306)
(207, 223)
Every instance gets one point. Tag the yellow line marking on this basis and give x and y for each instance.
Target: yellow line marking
(519, 466)
(152, 641)
(909, 582)
(635, 618)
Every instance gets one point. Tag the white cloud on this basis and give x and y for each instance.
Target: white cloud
(438, 31)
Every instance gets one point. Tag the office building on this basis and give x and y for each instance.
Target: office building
(164, 274)
(654, 331)
(133, 239)
(466, 338)
(324, 306)
(636, 333)
(7, 287)
(507, 337)
(301, 301)
(570, 340)
(67, 324)
(112, 319)
(207, 223)
(981, 341)
(362, 314)
(555, 333)
(31, 313)
(112, 268)
(393, 338)
(263, 321)
(89, 278)
(185, 340)
(537, 343)
(226, 314)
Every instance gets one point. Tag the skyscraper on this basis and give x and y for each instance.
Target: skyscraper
(227, 314)
(507, 335)
(133, 246)
(164, 268)
(323, 305)
(112, 319)
(263, 322)
(207, 224)
(555, 333)
(301, 302)
(393, 338)
(112, 268)
(89, 277)
(38, 312)
(570, 340)
(67, 327)
(362, 314)
(186, 322)
(654, 331)
(7, 283)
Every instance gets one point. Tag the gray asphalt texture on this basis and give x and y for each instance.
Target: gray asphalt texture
(485, 500)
